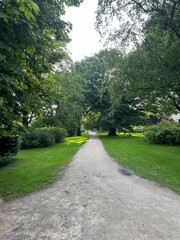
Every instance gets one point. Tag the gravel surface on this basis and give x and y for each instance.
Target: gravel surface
(96, 199)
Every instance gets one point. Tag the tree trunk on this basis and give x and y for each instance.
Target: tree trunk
(112, 132)
(25, 122)
(79, 131)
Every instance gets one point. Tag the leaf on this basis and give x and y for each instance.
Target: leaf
(35, 8)
(2, 57)
(29, 15)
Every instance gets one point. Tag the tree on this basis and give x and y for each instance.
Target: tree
(130, 18)
(71, 107)
(97, 72)
(68, 103)
(33, 39)
(152, 78)
(151, 71)
(92, 70)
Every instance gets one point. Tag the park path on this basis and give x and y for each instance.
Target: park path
(96, 199)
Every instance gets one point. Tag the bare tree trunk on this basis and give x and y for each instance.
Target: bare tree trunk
(25, 122)
(112, 132)
(78, 131)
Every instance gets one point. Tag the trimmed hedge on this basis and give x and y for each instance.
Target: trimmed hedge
(58, 133)
(9, 146)
(43, 137)
(164, 133)
(37, 139)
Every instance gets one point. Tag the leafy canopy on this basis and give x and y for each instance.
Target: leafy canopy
(33, 39)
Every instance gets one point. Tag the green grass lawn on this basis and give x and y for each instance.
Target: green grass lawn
(158, 163)
(36, 169)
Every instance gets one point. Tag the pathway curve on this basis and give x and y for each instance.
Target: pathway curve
(95, 200)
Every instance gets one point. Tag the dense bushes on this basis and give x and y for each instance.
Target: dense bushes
(58, 133)
(9, 146)
(42, 137)
(36, 138)
(164, 133)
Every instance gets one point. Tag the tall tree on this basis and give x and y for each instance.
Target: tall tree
(151, 72)
(33, 39)
(130, 18)
(68, 103)
(98, 72)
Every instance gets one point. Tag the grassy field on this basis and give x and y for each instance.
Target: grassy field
(36, 169)
(158, 163)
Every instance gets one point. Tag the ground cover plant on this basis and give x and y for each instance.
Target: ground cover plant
(159, 163)
(36, 169)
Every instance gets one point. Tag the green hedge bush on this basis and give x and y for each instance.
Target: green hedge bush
(43, 137)
(164, 133)
(58, 133)
(9, 146)
(37, 139)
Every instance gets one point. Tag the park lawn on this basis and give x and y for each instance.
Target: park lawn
(158, 163)
(36, 169)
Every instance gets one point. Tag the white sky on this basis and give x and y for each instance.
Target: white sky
(85, 39)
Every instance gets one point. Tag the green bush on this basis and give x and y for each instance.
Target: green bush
(58, 133)
(139, 129)
(164, 133)
(37, 139)
(9, 146)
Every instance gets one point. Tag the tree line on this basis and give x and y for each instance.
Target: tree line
(116, 88)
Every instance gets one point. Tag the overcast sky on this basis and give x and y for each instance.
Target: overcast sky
(85, 39)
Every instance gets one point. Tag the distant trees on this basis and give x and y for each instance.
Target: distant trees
(67, 105)
(113, 89)
(109, 114)
(126, 85)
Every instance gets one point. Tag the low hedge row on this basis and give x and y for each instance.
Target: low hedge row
(58, 133)
(43, 137)
(164, 133)
(9, 146)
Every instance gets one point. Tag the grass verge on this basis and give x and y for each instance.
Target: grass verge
(36, 169)
(158, 163)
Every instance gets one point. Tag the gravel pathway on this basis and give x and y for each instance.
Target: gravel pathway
(96, 199)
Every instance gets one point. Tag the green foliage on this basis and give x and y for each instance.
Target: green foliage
(37, 139)
(139, 129)
(150, 73)
(68, 106)
(164, 133)
(132, 17)
(33, 37)
(91, 121)
(58, 133)
(9, 147)
(43, 137)
(98, 72)
(92, 69)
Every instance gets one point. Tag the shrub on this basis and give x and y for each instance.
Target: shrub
(37, 139)
(9, 146)
(58, 133)
(164, 133)
(139, 129)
